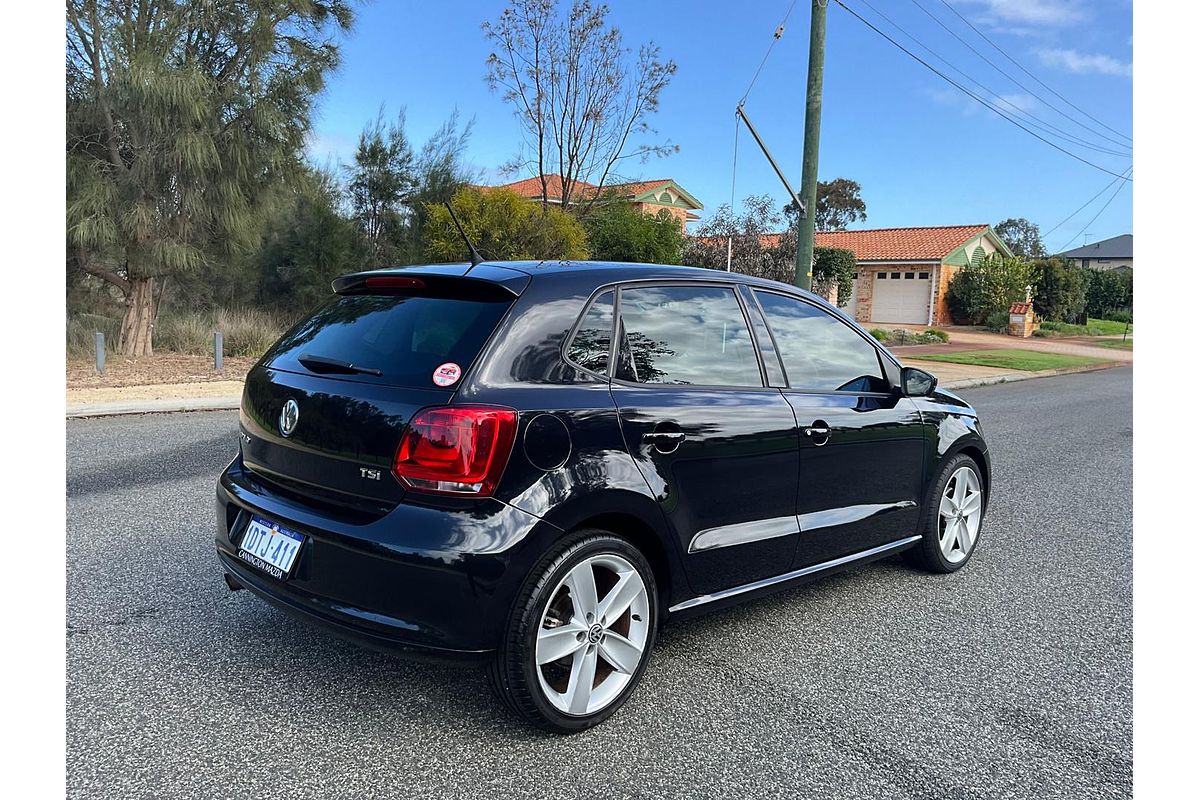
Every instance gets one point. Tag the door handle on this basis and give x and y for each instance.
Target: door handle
(819, 432)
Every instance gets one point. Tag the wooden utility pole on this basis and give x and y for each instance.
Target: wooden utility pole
(812, 145)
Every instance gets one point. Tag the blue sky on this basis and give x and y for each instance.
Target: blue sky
(924, 153)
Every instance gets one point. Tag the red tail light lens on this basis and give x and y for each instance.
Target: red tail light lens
(460, 450)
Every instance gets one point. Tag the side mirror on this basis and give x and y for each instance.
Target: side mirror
(917, 382)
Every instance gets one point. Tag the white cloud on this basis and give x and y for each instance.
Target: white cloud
(969, 107)
(1033, 12)
(1085, 64)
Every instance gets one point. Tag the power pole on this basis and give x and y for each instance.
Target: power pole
(812, 145)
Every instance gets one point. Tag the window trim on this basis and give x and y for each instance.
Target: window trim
(612, 334)
(718, 284)
(880, 354)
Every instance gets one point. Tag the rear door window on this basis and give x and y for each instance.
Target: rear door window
(693, 335)
(404, 337)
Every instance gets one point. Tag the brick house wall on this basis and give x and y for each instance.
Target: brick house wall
(941, 310)
(865, 293)
(652, 209)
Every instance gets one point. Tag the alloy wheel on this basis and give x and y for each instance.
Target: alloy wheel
(961, 512)
(592, 636)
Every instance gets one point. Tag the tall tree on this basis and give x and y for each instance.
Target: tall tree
(1023, 237)
(180, 115)
(583, 101)
(382, 180)
(839, 204)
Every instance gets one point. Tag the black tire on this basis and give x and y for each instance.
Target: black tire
(513, 672)
(927, 553)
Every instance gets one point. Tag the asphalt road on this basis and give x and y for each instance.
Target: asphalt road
(1010, 678)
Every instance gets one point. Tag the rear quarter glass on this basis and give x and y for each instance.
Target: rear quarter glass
(406, 337)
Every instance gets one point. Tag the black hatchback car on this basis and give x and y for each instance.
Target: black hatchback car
(534, 465)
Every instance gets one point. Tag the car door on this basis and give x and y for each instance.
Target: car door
(861, 443)
(715, 445)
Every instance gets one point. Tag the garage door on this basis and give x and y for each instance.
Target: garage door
(901, 297)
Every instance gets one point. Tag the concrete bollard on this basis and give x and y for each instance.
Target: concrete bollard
(218, 351)
(99, 353)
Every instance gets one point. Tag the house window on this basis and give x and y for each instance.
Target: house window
(908, 276)
(881, 275)
(1101, 260)
(895, 276)
(1087, 262)
(923, 275)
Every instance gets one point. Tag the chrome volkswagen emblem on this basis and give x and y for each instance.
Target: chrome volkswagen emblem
(288, 417)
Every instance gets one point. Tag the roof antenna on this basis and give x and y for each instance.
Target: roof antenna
(476, 259)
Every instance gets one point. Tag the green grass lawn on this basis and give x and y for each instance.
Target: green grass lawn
(1094, 327)
(1106, 327)
(1029, 360)
(1115, 343)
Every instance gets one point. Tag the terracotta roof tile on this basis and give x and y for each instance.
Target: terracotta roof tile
(532, 187)
(888, 244)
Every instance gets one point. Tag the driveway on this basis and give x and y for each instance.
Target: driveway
(1011, 678)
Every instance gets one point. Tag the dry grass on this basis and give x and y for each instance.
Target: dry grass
(247, 332)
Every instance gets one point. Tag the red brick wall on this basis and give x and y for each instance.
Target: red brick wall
(653, 208)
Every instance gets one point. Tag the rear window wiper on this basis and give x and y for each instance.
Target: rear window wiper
(323, 364)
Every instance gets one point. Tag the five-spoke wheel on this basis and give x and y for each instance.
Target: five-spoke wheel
(961, 511)
(953, 517)
(593, 634)
(580, 634)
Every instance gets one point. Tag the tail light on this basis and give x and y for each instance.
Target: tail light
(459, 450)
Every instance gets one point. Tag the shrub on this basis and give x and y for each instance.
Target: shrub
(997, 321)
(934, 333)
(1109, 292)
(617, 231)
(834, 266)
(880, 334)
(979, 290)
(1060, 289)
(1120, 316)
(504, 226)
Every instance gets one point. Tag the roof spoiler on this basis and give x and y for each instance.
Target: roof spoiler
(478, 286)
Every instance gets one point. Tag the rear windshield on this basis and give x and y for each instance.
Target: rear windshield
(404, 337)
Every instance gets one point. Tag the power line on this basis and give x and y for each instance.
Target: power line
(996, 67)
(778, 35)
(971, 94)
(1082, 230)
(1090, 200)
(1017, 64)
(1036, 122)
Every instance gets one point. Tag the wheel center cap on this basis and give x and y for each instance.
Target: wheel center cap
(595, 633)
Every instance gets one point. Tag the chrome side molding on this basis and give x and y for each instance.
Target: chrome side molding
(743, 532)
(787, 576)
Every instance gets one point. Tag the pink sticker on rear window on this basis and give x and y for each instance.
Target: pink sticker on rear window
(447, 374)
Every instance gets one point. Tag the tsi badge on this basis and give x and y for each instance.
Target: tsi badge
(369, 474)
(289, 417)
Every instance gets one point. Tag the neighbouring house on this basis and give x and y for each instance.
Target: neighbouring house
(1107, 254)
(649, 197)
(903, 272)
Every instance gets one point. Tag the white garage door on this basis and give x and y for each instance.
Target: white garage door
(901, 297)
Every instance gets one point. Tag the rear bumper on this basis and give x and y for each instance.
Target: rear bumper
(432, 584)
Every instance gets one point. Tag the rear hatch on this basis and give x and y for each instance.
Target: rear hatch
(355, 372)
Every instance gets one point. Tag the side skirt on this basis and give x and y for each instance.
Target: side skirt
(779, 581)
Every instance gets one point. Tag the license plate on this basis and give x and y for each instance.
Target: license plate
(269, 546)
